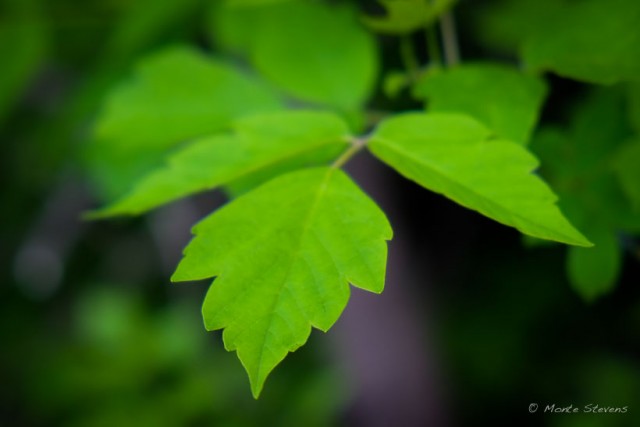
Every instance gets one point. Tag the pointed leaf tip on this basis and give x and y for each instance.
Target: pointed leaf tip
(284, 255)
(456, 156)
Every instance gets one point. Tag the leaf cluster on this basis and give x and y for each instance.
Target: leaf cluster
(275, 116)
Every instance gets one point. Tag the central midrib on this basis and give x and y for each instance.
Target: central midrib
(295, 254)
(393, 147)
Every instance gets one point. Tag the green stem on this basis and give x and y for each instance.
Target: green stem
(449, 38)
(433, 46)
(409, 57)
(357, 144)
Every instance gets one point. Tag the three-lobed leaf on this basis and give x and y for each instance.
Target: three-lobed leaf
(283, 256)
(504, 99)
(454, 155)
(261, 147)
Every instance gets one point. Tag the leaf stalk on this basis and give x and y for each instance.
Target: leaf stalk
(449, 39)
(357, 144)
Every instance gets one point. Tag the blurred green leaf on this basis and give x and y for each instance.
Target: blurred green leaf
(626, 163)
(262, 143)
(594, 271)
(580, 164)
(143, 22)
(597, 127)
(405, 16)
(454, 155)
(227, 26)
(316, 52)
(308, 234)
(175, 96)
(553, 147)
(502, 98)
(251, 3)
(633, 93)
(590, 40)
(578, 161)
(505, 24)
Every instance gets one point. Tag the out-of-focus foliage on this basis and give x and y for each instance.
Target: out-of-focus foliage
(505, 350)
(581, 163)
(126, 364)
(312, 51)
(626, 164)
(589, 40)
(405, 16)
(505, 100)
(633, 93)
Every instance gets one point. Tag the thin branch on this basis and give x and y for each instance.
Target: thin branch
(449, 38)
(356, 145)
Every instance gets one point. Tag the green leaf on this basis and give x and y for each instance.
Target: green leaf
(626, 163)
(454, 155)
(261, 147)
(591, 40)
(504, 25)
(405, 16)
(504, 99)
(594, 271)
(283, 256)
(553, 146)
(142, 23)
(599, 126)
(578, 162)
(316, 52)
(175, 96)
(227, 25)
